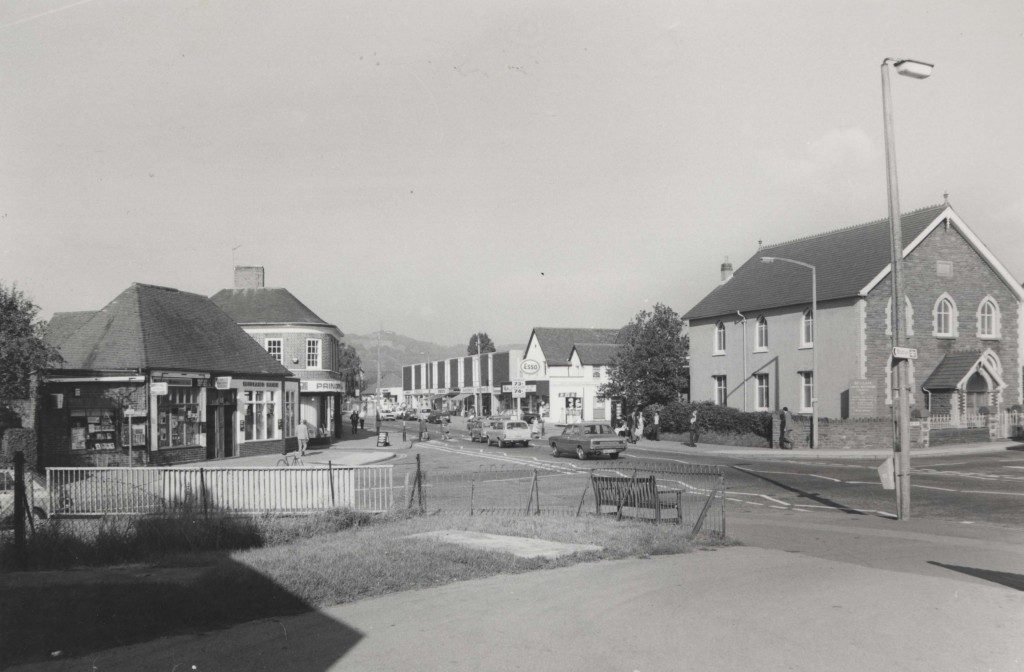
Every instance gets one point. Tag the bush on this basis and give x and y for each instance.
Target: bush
(675, 418)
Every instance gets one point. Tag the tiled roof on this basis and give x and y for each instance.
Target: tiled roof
(951, 370)
(846, 261)
(557, 343)
(148, 327)
(62, 325)
(596, 354)
(265, 305)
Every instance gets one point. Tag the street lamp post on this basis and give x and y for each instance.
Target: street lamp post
(901, 448)
(814, 342)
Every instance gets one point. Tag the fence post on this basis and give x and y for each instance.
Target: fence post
(419, 482)
(472, 490)
(536, 487)
(202, 488)
(19, 500)
(330, 472)
(405, 489)
(583, 497)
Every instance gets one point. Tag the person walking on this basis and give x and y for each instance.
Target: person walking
(302, 433)
(639, 426)
(376, 421)
(657, 426)
(630, 427)
(784, 430)
(694, 428)
(355, 421)
(362, 418)
(535, 427)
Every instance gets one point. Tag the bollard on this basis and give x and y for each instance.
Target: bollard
(403, 432)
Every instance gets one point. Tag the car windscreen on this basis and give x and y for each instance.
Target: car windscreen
(516, 425)
(598, 429)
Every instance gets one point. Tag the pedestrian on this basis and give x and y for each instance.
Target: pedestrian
(355, 421)
(630, 426)
(423, 428)
(362, 418)
(302, 432)
(657, 426)
(622, 429)
(446, 427)
(376, 421)
(535, 427)
(694, 429)
(639, 426)
(784, 430)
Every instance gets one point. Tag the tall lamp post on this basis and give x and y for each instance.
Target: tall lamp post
(901, 448)
(814, 341)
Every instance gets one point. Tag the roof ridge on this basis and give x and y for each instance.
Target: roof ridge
(849, 227)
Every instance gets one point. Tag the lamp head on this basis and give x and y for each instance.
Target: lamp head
(767, 260)
(915, 69)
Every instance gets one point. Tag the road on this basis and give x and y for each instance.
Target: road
(985, 489)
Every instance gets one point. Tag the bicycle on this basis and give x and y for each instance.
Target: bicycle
(290, 461)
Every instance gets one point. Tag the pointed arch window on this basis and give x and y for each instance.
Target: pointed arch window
(719, 339)
(944, 322)
(988, 318)
(908, 311)
(761, 339)
(807, 329)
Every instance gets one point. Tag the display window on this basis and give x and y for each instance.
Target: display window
(260, 423)
(178, 420)
(93, 429)
(289, 413)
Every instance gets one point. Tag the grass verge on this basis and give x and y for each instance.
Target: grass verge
(299, 566)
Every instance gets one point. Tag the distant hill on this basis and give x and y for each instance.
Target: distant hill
(397, 351)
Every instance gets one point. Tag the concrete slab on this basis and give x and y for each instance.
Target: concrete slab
(522, 547)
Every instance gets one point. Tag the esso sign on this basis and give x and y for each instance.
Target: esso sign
(529, 367)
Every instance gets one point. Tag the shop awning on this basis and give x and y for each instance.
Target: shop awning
(461, 396)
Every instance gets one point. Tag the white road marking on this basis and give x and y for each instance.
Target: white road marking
(969, 492)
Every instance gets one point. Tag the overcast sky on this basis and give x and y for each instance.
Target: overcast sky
(443, 167)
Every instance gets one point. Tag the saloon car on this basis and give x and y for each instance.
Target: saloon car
(508, 432)
(478, 430)
(588, 439)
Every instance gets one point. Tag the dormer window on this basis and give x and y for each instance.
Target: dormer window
(807, 329)
(719, 339)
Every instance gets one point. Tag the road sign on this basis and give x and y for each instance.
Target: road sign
(904, 353)
(887, 474)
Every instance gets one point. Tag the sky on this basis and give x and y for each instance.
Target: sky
(439, 168)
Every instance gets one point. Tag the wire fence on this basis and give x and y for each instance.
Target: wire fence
(690, 495)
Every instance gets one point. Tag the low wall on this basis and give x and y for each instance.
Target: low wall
(945, 437)
(849, 433)
(719, 439)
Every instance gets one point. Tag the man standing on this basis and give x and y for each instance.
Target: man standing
(302, 433)
(694, 429)
(784, 430)
(657, 426)
(362, 418)
(376, 422)
(355, 421)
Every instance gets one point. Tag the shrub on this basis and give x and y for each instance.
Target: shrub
(675, 418)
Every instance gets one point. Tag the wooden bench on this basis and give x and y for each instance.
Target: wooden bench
(639, 492)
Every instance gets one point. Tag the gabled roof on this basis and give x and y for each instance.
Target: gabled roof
(149, 327)
(266, 305)
(62, 325)
(951, 370)
(557, 343)
(847, 260)
(595, 354)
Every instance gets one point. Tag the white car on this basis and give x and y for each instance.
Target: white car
(388, 415)
(508, 432)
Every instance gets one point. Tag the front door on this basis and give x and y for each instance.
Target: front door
(213, 434)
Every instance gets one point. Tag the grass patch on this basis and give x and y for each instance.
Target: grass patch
(298, 564)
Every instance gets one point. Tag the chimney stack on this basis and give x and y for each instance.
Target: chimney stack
(248, 277)
(726, 270)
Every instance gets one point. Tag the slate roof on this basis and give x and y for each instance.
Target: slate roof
(149, 327)
(557, 343)
(596, 354)
(266, 305)
(846, 260)
(62, 325)
(951, 370)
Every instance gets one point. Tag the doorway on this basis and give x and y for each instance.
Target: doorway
(220, 419)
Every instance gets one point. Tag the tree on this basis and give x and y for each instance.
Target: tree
(486, 344)
(351, 368)
(651, 367)
(22, 348)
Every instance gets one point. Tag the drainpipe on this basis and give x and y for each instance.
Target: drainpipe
(743, 326)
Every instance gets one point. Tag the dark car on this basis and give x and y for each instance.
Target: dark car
(528, 418)
(586, 440)
(434, 417)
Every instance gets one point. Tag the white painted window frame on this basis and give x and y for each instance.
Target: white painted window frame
(280, 348)
(311, 351)
(760, 378)
(996, 332)
(805, 317)
(761, 328)
(719, 344)
(721, 390)
(954, 317)
(805, 398)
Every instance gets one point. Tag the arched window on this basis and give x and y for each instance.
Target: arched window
(762, 334)
(988, 318)
(807, 329)
(908, 311)
(944, 322)
(720, 338)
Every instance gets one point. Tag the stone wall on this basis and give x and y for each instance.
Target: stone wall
(848, 434)
(945, 437)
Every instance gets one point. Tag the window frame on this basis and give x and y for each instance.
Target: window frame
(719, 343)
(265, 429)
(721, 390)
(806, 376)
(280, 348)
(762, 380)
(952, 331)
(761, 329)
(807, 317)
(995, 316)
(312, 352)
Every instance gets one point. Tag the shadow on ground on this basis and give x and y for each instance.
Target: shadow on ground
(809, 495)
(82, 618)
(1015, 581)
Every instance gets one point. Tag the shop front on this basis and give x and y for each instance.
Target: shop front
(320, 407)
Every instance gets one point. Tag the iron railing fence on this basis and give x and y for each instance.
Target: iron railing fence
(688, 493)
(104, 491)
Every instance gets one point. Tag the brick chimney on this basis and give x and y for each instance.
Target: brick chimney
(726, 271)
(248, 277)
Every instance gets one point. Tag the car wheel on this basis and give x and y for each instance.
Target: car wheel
(501, 443)
(580, 453)
(615, 456)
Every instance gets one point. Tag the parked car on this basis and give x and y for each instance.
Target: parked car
(409, 414)
(388, 415)
(435, 417)
(528, 417)
(510, 432)
(477, 430)
(588, 439)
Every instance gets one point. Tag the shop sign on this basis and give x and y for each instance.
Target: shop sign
(260, 384)
(159, 389)
(321, 386)
(529, 367)
(222, 382)
(511, 387)
(442, 390)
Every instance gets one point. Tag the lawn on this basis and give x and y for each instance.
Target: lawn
(300, 565)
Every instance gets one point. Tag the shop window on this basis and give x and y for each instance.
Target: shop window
(93, 429)
(274, 348)
(260, 416)
(178, 417)
(313, 354)
(289, 413)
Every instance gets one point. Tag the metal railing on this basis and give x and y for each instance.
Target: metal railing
(93, 491)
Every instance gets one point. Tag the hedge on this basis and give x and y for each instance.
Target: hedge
(675, 419)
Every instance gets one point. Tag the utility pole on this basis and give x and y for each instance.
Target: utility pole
(480, 363)
(380, 328)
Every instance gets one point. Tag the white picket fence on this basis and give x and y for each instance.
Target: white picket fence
(93, 491)
(1003, 425)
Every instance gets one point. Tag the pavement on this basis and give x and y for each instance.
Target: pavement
(351, 452)
(928, 596)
